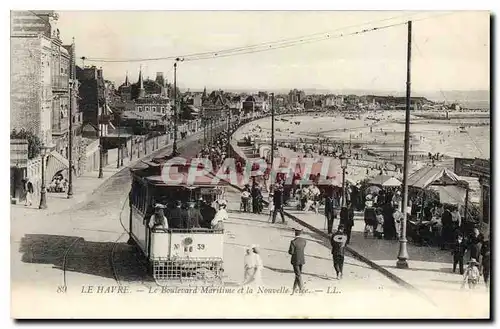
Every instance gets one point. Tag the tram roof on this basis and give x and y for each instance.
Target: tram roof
(181, 180)
(177, 175)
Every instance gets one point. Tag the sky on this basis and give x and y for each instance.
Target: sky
(451, 50)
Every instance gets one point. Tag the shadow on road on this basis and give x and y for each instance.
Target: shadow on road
(86, 257)
(282, 270)
(376, 250)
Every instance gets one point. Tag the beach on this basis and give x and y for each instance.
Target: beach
(379, 138)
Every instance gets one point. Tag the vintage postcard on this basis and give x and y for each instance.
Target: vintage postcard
(250, 164)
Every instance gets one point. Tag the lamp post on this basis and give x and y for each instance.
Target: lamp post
(343, 164)
(403, 256)
(43, 192)
(174, 145)
(70, 141)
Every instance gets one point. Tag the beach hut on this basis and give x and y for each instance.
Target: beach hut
(451, 188)
(385, 181)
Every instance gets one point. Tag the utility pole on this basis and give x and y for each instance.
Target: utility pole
(118, 156)
(272, 129)
(228, 131)
(204, 125)
(174, 145)
(70, 118)
(403, 251)
(99, 129)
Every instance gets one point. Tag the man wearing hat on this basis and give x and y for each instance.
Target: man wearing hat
(158, 219)
(176, 216)
(338, 242)
(193, 217)
(278, 202)
(296, 250)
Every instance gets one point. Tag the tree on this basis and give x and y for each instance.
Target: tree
(34, 143)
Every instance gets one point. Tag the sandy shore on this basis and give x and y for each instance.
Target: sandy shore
(380, 141)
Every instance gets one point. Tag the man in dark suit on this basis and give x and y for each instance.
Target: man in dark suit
(278, 203)
(347, 220)
(208, 213)
(176, 216)
(296, 250)
(330, 210)
(193, 217)
(338, 242)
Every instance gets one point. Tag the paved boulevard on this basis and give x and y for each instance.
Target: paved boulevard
(39, 247)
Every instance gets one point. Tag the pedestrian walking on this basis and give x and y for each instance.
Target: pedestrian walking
(379, 230)
(485, 262)
(475, 243)
(398, 218)
(245, 199)
(249, 266)
(347, 220)
(330, 211)
(29, 192)
(471, 275)
(370, 216)
(296, 250)
(338, 242)
(458, 253)
(278, 203)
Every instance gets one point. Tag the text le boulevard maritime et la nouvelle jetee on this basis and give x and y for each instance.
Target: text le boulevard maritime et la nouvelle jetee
(100, 289)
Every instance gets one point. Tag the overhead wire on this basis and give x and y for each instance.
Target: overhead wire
(268, 46)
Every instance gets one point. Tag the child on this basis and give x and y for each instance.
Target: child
(471, 276)
(379, 231)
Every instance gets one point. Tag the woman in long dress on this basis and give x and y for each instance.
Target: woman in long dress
(253, 267)
(249, 266)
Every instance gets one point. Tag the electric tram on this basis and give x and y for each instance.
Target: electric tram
(175, 253)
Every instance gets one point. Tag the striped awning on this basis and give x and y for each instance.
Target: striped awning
(55, 163)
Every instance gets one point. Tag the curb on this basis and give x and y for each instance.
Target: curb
(354, 253)
(391, 276)
(105, 180)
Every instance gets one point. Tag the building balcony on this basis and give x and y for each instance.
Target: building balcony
(60, 84)
(61, 127)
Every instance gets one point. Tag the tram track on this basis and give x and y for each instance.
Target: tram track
(118, 261)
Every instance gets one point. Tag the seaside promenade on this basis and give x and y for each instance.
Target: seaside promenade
(430, 269)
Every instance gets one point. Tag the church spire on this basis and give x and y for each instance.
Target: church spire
(142, 92)
(127, 83)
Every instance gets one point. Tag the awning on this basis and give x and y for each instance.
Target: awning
(392, 182)
(427, 176)
(55, 164)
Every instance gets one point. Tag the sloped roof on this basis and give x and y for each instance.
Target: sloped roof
(427, 176)
(380, 179)
(151, 116)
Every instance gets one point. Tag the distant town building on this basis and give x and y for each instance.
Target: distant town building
(295, 96)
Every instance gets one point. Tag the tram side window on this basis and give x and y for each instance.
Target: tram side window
(139, 194)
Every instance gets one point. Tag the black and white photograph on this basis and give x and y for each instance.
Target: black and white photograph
(250, 164)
